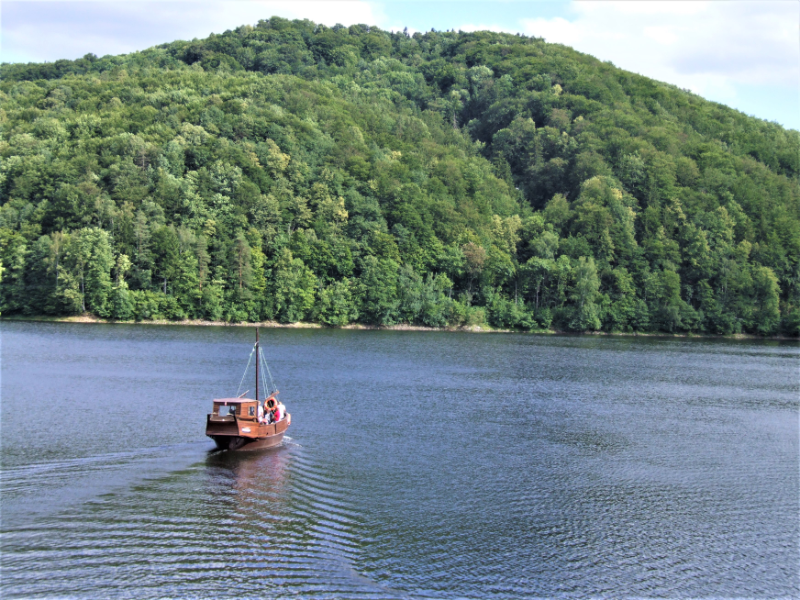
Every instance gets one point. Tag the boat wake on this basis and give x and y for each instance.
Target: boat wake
(176, 521)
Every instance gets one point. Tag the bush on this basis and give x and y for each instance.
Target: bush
(155, 305)
(790, 324)
(476, 315)
(507, 314)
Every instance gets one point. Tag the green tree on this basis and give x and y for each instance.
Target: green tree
(378, 291)
(89, 258)
(290, 290)
(121, 303)
(766, 294)
(166, 252)
(336, 304)
(584, 293)
(490, 161)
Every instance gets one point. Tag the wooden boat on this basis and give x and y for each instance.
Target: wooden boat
(234, 423)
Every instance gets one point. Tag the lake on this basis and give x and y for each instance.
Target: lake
(417, 465)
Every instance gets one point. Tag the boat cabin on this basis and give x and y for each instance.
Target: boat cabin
(230, 409)
(233, 424)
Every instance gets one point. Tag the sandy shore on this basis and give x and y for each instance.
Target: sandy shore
(86, 318)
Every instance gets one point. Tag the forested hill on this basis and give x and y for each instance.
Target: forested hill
(291, 171)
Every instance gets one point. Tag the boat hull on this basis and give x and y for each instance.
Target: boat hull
(243, 444)
(237, 434)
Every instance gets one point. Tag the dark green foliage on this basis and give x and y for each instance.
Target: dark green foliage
(291, 171)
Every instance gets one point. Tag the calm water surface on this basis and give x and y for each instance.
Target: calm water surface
(419, 465)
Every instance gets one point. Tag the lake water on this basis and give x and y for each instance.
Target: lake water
(418, 465)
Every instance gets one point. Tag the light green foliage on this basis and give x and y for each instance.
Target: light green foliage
(290, 295)
(293, 171)
(622, 308)
(122, 305)
(584, 295)
(336, 304)
(766, 294)
(557, 210)
(88, 259)
(378, 291)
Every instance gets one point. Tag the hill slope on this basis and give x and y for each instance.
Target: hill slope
(295, 172)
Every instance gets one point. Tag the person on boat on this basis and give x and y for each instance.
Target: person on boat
(260, 413)
(282, 408)
(278, 412)
(267, 414)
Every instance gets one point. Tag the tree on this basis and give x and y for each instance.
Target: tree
(166, 252)
(122, 305)
(335, 304)
(584, 292)
(89, 258)
(669, 300)
(241, 255)
(489, 161)
(622, 312)
(378, 291)
(535, 276)
(766, 294)
(435, 304)
(557, 211)
(409, 294)
(475, 257)
(56, 250)
(291, 289)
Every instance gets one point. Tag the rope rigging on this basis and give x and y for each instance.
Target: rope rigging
(249, 359)
(266, 366)
(263, 378)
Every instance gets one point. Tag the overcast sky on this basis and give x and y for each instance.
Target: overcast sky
(742, 53)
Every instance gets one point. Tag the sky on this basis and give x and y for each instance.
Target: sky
(742, 53)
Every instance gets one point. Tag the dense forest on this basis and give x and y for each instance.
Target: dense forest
(293, 172)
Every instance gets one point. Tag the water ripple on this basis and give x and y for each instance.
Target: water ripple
(482, 467)
(231, 526)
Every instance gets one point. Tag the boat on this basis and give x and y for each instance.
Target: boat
(244, 423)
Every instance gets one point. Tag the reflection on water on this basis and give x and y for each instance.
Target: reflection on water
(417, 466)
(257, 477)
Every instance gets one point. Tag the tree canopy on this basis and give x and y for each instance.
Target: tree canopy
(292, 171)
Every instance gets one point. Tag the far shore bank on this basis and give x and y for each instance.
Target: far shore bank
(90, 319)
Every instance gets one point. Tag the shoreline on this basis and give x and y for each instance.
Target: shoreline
(90, 319)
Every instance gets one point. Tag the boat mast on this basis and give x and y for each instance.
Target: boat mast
(258, 358)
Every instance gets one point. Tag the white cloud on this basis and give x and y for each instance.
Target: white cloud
(708, 47)
(47, 31)
(651, 7)
(662, 35)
